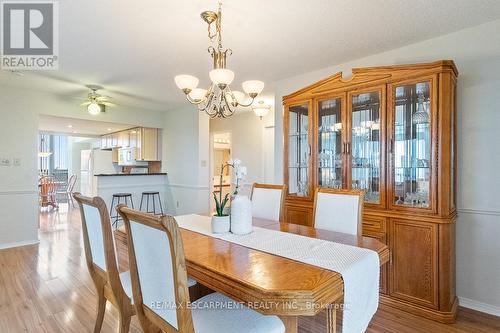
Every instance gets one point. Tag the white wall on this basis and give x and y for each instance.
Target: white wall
(185, 159)
(18, 185)
(247, 142)
(476, 52)
(19, 111)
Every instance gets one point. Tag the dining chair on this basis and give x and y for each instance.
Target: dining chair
(100, 254)
(47, 192)
(339, 210)
(267, 201)
(160, 289)
(68, 192)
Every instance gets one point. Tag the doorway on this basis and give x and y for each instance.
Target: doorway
(220, 156)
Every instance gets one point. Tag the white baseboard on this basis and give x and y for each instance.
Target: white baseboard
(478, 306)
(18, 244)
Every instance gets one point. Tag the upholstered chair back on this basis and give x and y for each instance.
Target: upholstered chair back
(267, 201)
(98, 240)
(158, 271)
(339, 210)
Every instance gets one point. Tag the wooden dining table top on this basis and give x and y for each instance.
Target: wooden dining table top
(269, 283)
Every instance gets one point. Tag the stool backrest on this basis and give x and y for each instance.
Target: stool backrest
(99, 242)
(267, 201)
(157, 270)
(71, 183)
(339, 210)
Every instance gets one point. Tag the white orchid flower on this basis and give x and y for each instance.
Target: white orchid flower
(241, 172)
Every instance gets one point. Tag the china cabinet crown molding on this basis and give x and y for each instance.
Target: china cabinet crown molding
(390, 130)
(370, 76)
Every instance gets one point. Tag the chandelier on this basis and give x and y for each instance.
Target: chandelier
(219, 100)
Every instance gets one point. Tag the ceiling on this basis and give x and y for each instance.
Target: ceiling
(78, 127)
(135, 48)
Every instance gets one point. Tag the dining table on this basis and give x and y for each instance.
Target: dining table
(271, 284)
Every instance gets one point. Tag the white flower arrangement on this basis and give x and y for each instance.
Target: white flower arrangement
(240, 172)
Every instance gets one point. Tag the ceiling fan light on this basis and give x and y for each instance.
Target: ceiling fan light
(186, 82)
(221, 76)
(94, 108)
(198, 94)
(253, 87)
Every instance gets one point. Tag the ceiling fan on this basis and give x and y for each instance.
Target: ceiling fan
(95, 102)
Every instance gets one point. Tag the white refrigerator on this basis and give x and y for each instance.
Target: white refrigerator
(94, 162)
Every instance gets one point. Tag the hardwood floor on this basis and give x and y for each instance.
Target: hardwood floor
(47, 288)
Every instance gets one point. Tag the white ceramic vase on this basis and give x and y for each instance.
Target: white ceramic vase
(241, 215)
(221, 224)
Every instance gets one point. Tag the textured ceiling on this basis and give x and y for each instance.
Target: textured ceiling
(135, 48)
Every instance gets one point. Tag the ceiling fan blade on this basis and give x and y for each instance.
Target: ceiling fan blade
(103, 98)
(87, 103)
(108, 103)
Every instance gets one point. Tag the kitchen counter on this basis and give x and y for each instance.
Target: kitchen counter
(131, 174)
(108, 184)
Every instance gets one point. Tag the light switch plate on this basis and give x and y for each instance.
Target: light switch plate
(4, 161)
(16, 162)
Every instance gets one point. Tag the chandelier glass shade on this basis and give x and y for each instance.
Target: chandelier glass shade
(261, 109)
(219, 100)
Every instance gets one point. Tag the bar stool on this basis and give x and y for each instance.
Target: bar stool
(116, 217)
(152, 194)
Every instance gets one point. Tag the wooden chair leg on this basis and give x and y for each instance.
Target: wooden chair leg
(124, 323)
(101, 308)
(331, 319)
(152, 329)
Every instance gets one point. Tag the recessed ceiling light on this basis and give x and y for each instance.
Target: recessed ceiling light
(109, 129)
(70, 126)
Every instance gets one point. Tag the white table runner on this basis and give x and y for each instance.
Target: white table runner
(359, 267)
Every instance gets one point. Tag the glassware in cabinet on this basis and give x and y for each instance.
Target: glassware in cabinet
(298, 150)
(330, 143)
(411, 149)
(365, 145)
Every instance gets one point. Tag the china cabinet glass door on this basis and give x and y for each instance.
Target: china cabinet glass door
(411, 147)
(331, 146)
(365, 147)
(298, 151)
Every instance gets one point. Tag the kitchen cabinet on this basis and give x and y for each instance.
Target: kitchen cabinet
(145, 140)
(133, 136)
(147, 144)
(123, 139)
(390, 131)
(104, 142)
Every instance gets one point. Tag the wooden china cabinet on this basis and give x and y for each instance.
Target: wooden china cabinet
(391, 131)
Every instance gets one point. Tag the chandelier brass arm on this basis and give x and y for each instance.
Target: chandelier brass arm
(219, 100)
